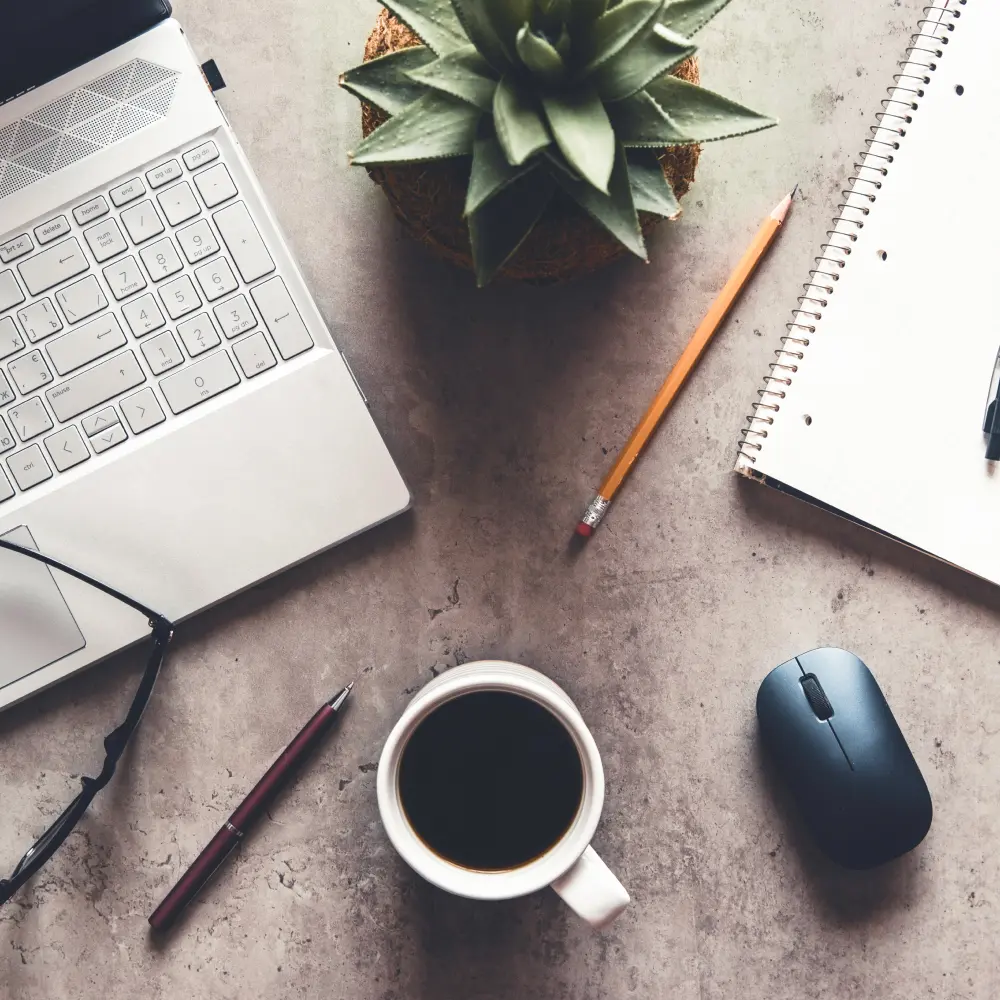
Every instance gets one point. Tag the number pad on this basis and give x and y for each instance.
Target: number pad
(216, 279)
(143, 316)
(235, 316)
(179, 297)
(30, 418)
(198, 335)
(198, 241)
(179, 204)
(161, 259)
(142, 222)
(124, 278)
(30, 372)
(162, 353)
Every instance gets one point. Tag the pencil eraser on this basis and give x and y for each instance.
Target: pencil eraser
(584, 530)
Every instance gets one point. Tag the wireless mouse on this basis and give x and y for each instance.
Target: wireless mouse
(826, 724)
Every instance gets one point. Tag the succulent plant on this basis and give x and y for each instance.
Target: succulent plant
(546, 96)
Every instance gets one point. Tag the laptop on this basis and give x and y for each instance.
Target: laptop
(175, 418)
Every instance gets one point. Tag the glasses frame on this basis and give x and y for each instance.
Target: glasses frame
(114, 743)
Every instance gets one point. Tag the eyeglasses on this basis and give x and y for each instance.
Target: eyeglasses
(114, 744)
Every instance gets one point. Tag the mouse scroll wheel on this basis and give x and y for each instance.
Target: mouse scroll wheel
(816, 697)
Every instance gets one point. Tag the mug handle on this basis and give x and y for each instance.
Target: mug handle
(591, 889)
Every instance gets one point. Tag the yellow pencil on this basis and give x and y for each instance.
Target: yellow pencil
(717, 312)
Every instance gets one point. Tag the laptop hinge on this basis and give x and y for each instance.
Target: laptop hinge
(43, 39)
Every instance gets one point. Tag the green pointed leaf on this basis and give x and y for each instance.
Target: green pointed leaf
(501, 225)
(434, 127)
(651, 191)
(475, 18)
(689, 16)
(519, 126)
(583, 133)
(385, 81)
(507, 16)
(433, 20)
(551, 14)
(464, 74)
(540, 56)
(491, 173)
(649, 57)
(615, 211)
(613, 30)
(702, 116)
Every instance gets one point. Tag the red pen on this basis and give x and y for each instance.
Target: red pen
(222, 844)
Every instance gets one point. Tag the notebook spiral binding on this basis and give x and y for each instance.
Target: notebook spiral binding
(927, 45)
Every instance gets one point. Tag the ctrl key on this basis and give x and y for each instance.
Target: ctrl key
(29, 467)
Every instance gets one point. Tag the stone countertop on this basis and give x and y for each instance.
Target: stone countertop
(503, 408)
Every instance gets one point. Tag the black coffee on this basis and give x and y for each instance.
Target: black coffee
(491, 780)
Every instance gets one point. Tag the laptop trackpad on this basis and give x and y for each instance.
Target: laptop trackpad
(36, 625)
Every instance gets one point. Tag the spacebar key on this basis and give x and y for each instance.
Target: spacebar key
(199, 382)
(72, 397)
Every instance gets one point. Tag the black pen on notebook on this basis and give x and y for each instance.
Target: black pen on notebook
(250, 809)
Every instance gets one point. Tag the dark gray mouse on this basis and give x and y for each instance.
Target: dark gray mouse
(825, 722)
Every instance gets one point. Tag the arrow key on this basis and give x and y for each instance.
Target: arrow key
(142, 410)
(66, 448)
(102, 420)
(108, 439)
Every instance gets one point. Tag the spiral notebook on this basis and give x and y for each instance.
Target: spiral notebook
(874, 406)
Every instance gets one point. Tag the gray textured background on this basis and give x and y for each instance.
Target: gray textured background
(500, 406)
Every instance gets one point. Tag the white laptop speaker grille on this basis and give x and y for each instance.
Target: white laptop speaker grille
(97, 115)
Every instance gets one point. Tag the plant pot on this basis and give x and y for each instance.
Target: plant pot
(428, 198)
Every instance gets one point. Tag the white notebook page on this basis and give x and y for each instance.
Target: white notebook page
(895, 378)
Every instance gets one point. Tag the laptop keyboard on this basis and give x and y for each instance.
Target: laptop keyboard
(138, 304)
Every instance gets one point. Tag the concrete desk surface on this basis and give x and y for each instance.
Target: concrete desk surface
(503, 408)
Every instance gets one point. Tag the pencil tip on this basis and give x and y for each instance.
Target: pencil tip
(795, 191)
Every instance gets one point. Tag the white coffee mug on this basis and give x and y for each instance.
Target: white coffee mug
(570, 866)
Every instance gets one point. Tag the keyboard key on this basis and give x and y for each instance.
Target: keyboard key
(216, 279)
(179, 297)
(30, 418)
(99, 421)
(51, 267)
(127, 192)
(179, 204)
(91, 210)
(39, 320)
(86, 343)
(97, 385)
(215, 185)
(281, 318)
(201, 155)
(6, 438)
(163, 174)
(66, 448)
(51, 230)
(82, 299)
(17, 247)
(29, 467)
(142, 222)
(6, 392)
(105, 240)
(198, 335)
(108, 439)
(124, 278)
(10, 291)
(142, 410)
(30, 372)
(161, 259)
(162, 353)
(240, 234)
(199, 382)
(143, 316)
(198, 241)
(254, 355)
(235, 316)
(11, 340)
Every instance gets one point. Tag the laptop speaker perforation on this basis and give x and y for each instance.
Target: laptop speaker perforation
(97, 115)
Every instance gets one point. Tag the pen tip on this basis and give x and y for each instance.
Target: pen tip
(349, 688)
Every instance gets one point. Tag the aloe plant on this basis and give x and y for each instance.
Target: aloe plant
(546, 96)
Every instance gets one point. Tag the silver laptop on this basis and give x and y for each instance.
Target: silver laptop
(175, 418)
